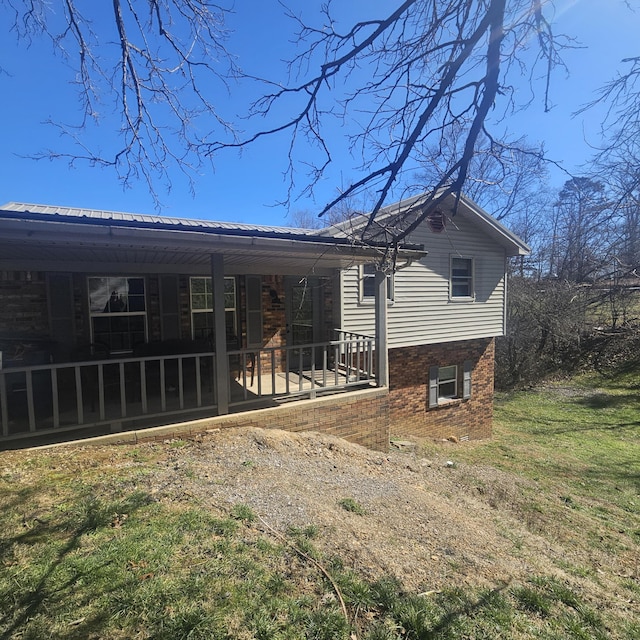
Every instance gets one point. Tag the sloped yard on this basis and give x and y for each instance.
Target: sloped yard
(267, 534)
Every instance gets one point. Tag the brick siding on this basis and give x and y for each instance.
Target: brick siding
(409, 409)
(360, 417)
(23, 311)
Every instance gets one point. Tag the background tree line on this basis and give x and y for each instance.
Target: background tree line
(574, 302)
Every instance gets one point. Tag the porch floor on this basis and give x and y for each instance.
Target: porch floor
(279, 386)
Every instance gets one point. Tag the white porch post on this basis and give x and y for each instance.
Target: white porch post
(220, 333)
(382, 353)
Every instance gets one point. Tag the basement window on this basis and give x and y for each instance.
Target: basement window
(446, 383)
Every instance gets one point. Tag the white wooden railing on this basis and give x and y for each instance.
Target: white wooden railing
(148, 391)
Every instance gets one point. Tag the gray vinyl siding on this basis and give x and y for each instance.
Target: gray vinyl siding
(421, 312)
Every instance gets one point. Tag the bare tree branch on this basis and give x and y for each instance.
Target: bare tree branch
(158, 65)
(411, 80)
(396, 88)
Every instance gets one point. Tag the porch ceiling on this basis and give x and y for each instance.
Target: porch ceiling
(39, 243)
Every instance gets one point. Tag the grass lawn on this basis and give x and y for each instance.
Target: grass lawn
(578, 440)
(85, 553)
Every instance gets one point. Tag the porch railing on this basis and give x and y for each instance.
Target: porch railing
(152, 390)
(308, 370)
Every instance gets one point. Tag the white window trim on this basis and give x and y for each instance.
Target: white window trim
(362, 276)
(130, 314)
(447, 381)
(472, 297)
(193, 311)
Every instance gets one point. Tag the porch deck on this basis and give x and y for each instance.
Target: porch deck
(94, 397)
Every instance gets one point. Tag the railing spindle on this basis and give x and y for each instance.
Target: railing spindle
(123, 391)
(4, 409)
(101, 403)
(79, 402)
(198, 383)
(55, 406)
(143, 387)
(163, 390)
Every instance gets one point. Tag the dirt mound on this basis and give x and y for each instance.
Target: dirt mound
(399, 514)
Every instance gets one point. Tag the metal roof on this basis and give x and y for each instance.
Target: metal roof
(42, 237)
(152, 220)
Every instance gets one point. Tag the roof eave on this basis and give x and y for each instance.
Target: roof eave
(513, 245)
(104, 232)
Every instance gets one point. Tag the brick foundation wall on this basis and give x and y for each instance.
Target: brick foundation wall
(360, 417)
(409, 412)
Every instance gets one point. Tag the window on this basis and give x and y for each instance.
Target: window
(202, 308)
(444, 383)
(254, 311)
(447, 382)
(461, 284)
(118, 312)
(367, 288)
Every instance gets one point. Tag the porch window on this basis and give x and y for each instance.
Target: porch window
(202, 308)
(461, 281)
(367, 273)
(118, 312)
(444, 383)
(254, 311)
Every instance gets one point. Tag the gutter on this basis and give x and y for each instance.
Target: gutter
(34, 224)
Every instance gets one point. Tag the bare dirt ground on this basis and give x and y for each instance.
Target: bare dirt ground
(429, 522)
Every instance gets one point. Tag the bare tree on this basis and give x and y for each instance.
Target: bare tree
(619, 169)
(582, 230)
(158, 64)
(546, 329)
(399, 85)
(412, 81)
(501, 177)
(621, 124)
(510, 181)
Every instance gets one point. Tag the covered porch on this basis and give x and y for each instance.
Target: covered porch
(106, 395)
(139, 321)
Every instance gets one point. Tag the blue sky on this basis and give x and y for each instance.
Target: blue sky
(35, 86)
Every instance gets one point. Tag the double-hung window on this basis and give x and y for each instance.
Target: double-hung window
(461, 285)
(201, 293)
(118, 312)
(367, 288)
(446, 384)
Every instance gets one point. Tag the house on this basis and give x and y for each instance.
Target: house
(116, 322)
(444, 312)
